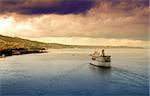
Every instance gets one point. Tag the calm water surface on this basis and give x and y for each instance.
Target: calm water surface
(67, 72)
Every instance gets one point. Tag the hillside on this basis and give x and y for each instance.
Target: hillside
(16, 46)
(15, 42)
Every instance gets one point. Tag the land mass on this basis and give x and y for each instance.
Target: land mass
(16, 46)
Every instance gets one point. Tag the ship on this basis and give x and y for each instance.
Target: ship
(100, 60)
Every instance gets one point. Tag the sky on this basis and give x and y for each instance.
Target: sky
(81, 22)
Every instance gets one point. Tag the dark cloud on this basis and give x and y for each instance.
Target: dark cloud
(66, 6)
(46, 6)
(103, 18)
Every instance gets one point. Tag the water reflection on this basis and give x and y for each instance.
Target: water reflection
(3, 59)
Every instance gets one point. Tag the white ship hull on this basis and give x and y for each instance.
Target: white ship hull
(102, 62)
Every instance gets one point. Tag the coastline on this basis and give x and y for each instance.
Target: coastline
(20, 51)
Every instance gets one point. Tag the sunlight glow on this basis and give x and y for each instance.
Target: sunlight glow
(92, 41)
(6, 22)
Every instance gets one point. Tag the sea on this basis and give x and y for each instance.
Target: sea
(68, 72)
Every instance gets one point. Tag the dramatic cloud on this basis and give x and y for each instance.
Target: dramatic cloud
(67, 6)
(46, 6)
(109, 19)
